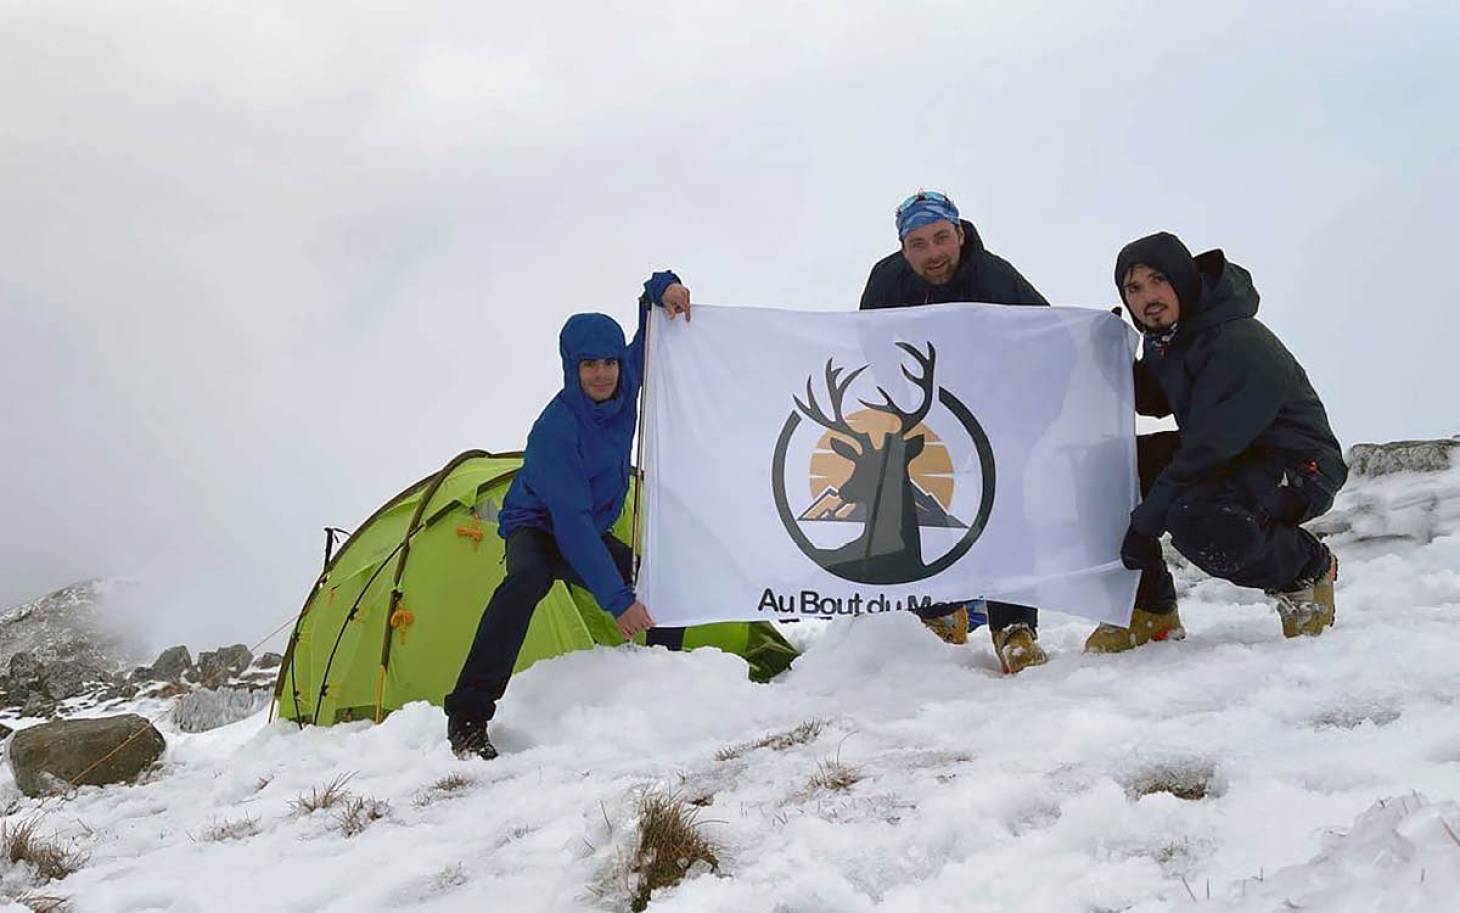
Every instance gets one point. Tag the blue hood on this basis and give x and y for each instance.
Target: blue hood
(591, 336)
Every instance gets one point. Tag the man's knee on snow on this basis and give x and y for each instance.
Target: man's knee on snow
(1220, 537)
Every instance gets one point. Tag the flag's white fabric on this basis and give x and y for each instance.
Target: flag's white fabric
(803, 464)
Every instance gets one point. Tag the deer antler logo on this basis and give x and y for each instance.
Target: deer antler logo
(884, 470)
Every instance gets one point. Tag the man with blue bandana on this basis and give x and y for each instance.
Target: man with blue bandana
(557, 515)
(942, 259)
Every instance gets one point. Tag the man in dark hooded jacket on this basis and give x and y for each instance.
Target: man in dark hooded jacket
(1253, 459)
(557, 514)
(942, 259)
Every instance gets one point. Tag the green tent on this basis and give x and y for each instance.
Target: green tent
(393, 613)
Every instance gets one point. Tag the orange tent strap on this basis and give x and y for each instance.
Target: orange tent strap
(472, 532)
(401, 619)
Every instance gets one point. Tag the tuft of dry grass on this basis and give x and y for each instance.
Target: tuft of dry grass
(778, 741)
(670, 843)
(52, 861)
(322, 797)
(237, 829)
(451, 783)
(262, 783)
(833, 776)
(359, 813)
(43, 903)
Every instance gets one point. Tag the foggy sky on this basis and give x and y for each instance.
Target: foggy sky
(263, 264)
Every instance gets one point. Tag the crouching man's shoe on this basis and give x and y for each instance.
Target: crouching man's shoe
(949, 622)
(1308, 608)
(468, 737)
(1017, 648)
(1144, 628)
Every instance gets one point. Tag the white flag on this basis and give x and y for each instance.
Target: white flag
(832, 464)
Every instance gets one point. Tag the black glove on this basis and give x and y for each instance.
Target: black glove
(1140, 552)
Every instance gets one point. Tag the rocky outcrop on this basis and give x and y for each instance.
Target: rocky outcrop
(1402, 456)
(171, 666)
(91, 752)
(55, 660)
(1406, 489)
(218, 666)
(58, 647)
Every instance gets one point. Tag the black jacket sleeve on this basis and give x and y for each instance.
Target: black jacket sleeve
(1238, 386)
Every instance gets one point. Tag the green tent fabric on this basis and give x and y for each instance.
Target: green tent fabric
(391, 617)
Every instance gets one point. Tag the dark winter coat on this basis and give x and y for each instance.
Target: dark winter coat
(981, 276)
(1237, 393)
(575, 472)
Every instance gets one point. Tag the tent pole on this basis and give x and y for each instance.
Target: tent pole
(639, 456)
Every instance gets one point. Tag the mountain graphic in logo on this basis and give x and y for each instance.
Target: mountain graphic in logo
(830, 506)
(885, 469)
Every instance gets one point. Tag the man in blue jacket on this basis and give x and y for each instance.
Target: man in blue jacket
(1255, 456)
(557, 514)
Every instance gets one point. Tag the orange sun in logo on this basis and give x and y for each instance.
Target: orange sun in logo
(931, 470)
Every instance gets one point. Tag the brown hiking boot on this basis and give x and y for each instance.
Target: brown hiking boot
(1307, 610)
(1017, 648)
(1144, 628)
(952, 627)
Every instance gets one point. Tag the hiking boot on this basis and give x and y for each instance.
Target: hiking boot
(1017, 648)
(1307, 610)
(1144, 628)
(468, 736)
(951, 627)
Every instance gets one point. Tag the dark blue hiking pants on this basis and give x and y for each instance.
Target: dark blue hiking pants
(1240, 525)
(533, 564)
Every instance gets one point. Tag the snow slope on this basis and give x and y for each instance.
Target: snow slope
(1235, 771)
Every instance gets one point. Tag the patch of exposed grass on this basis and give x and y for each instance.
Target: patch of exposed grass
(237, 829)
(833, 776)
(322, 797)
(20, 843)
(451, 783)
(360, 812)
(43, 903)
(1191, 781)
(670, 844)
(777, 741)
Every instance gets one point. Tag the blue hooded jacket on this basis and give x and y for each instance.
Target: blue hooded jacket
(575, 472)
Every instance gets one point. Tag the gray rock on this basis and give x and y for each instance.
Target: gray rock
(220, 665)
(172, 665)
(209, 708)
(27, 674)
(5, 731)
(48, 757)
(38, 705)
(269, 661)
(1401, 456)
(65, 680)
(120, 691)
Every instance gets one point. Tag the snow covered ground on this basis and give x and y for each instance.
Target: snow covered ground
(1235, 771)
